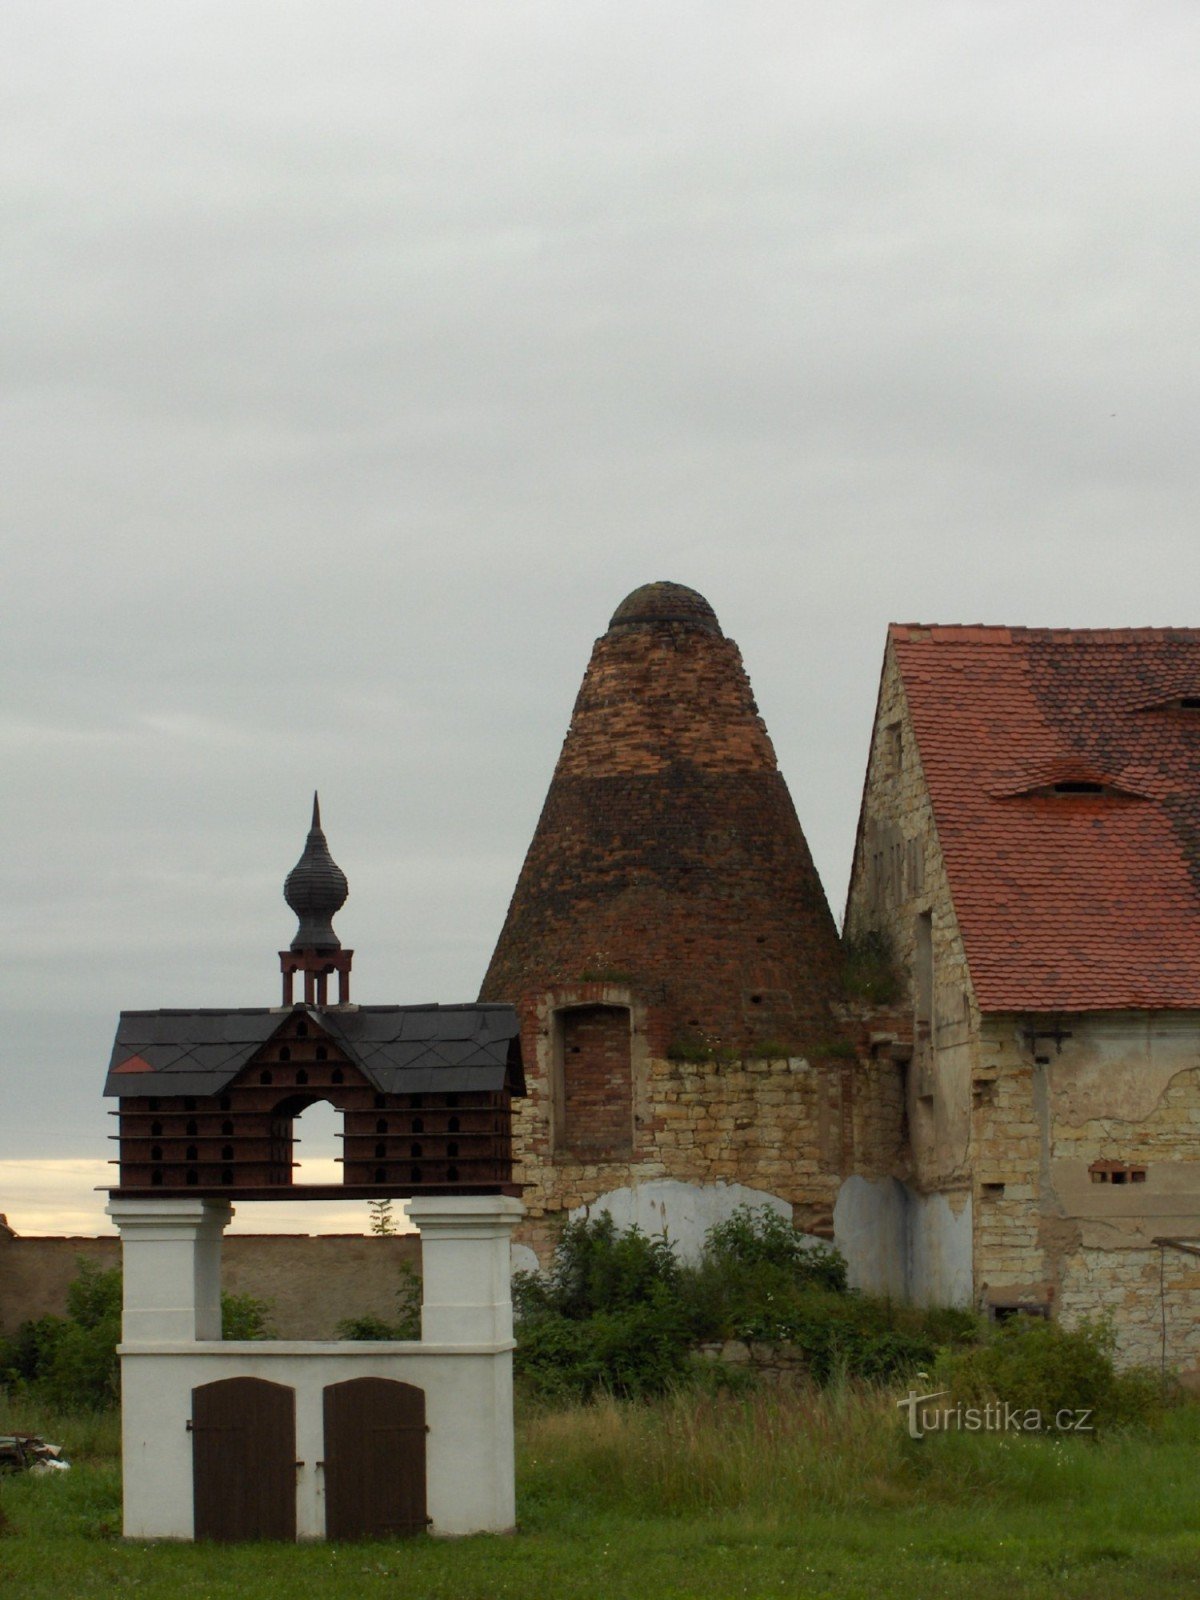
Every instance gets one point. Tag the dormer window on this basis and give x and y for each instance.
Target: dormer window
(1078, 786)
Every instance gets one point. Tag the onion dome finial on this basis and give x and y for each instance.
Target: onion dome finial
(316, 889)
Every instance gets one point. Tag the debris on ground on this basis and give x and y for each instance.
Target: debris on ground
(26, 1452)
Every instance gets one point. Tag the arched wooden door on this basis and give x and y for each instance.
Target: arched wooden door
(244, 1460)
(374, 1459)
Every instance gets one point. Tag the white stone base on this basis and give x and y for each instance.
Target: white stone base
(463, 1363)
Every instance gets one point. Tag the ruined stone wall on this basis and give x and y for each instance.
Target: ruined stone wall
(1064, 1104)
(899, 877)
(311, 1282)
(788, 1128)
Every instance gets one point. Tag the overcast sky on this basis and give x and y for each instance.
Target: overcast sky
(360, 357)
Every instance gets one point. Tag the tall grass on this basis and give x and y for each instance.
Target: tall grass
(840, 1448)
(84, 1435)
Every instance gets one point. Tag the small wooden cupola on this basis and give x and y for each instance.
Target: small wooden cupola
(207, 1099)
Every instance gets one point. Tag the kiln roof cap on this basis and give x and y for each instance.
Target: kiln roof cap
(657, 603)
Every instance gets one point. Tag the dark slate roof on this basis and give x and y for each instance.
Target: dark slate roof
(400, 1049)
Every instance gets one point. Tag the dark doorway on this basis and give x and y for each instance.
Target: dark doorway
(244, 1460)
(374, 1459)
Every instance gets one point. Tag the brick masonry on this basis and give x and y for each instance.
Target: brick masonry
(669, 881)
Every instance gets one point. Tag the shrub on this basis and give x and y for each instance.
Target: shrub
(407, 1325)
(607, 1317)
(755, 1236)
(1034, 1364)
(244, 1316)
(71, 1362)
(869, 968)
(619, 1314)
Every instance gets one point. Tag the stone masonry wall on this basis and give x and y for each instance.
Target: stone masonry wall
(788, 1127)
(311, 1282)
(899, 876)
(1062, 1102)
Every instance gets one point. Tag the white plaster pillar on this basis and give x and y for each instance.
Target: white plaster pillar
(171, 1253)
(465, 1266)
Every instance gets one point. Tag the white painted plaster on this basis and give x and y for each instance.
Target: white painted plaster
(911, 1246)
(940, 1269)
(683, 1211)
(524, 1259)
(172, 1278)
(870, 1228)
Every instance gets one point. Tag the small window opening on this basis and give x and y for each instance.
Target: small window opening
(451, 1174)
(264, 1077)
(192, 1176)
(756, 999)
(302, 1030)
(416, 1150)
(226, 1174)
(192, 1129)
(452, 1148)
(156, 1152)
(284, 1053)
(302, 1076)
(227, 1127)
(338, 1075)
(380, 1151)
(322, 1053)
(156, 1130)
(1189, 702)
(192, 1153)
(452, 1125)
(156, 1177)
(993, 1191)
(418, 1125)
(380, 1175)
(381, 1125)
(1078, 786)
(415, 1174)
(226, 1152)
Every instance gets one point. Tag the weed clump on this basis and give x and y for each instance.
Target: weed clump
(619, 1314)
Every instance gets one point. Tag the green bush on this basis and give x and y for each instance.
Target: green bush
(1033, 1364)
(408, 1323)
(869, 968)
(244, 1316)
(608, 1317)
(757, 1236)
(71, 1362)
(619, 1314)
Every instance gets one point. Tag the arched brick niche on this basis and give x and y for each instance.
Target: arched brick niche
(594, 1090)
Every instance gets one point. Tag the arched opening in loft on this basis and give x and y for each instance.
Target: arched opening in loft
(306, 1142)
(594, 1082)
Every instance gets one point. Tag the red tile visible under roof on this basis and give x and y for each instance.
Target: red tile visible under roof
(1066, 902)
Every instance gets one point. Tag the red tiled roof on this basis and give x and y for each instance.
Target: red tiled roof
(1066, 902)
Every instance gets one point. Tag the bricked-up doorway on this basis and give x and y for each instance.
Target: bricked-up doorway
(244, 1460)
(595, 1087)
(374, 1459)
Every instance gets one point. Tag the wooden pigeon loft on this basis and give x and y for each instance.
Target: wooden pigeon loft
(207, 1099)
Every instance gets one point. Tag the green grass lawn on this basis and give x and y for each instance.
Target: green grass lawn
(819, 1495)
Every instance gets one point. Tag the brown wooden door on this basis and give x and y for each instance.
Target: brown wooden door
(244, 1460)
(374, 1459)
